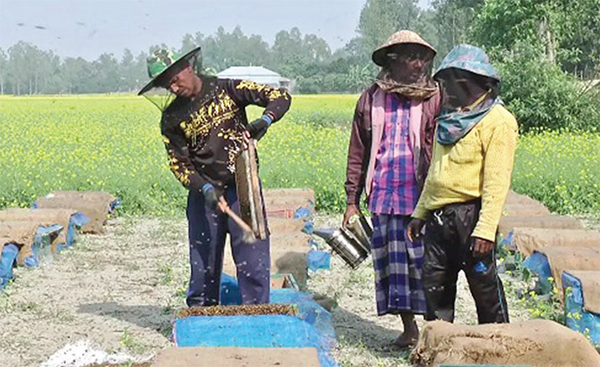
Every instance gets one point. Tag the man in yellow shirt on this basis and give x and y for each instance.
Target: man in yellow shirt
(466, 187)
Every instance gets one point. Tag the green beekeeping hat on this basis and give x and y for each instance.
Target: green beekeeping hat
(163, 60)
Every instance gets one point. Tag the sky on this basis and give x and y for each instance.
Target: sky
(88, 28)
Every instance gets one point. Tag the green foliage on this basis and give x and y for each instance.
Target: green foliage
(565, 30)
(129, 342)
(547, 306)
(380, 18)
(535, 44)
(451, 21)
(541, 95)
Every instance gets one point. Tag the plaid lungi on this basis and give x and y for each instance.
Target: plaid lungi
(398, 265)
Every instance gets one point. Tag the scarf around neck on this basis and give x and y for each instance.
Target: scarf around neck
(421, 90)
(454, 125)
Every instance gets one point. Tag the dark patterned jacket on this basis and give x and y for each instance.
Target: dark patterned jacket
(203, 136)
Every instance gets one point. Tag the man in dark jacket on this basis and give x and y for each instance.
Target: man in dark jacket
(204, 130)
(388, 157)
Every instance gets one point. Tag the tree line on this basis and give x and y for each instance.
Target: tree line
(545, 49)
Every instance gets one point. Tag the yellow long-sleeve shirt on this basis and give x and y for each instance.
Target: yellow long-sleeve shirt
(478, 166)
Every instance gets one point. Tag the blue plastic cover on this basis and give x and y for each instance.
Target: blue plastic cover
(302, 213)
(8, 258)
(114, 205)
(76, 221)
(266, 331)
(308, 309)
(578, 318)
(41, 245)
(312, 327)
(538, 264)
(318, 260)
(230, 291)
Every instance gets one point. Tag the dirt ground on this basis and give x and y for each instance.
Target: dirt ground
(117, 292)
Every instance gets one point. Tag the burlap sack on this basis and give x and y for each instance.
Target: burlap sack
(20, 233)
(282, 245)
(279, 226)
(84, 195)
(590, 283)
(296, 241)
(291, 262)
(43, 217)
(284, 202)
(17, 233)
(528, 240)
(94, 205)
(507, 224)
(533, 343)
(525, 210)
(570, 258)
(514, 198)
(237, 357)
(288, 255)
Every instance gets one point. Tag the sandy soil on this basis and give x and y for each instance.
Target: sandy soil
(118, 291)
(115, 291)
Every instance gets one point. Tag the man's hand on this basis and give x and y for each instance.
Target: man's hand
(350, 211)
(210, 196)
(481, 247)
(413, 232)
(258, 127)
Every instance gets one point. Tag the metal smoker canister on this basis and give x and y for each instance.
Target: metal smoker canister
(362, 231)
(345, 245)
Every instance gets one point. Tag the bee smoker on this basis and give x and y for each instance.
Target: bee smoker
(351, 243)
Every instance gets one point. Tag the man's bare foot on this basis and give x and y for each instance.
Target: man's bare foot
(406, 340)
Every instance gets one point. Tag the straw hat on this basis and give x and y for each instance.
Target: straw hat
(402, 37)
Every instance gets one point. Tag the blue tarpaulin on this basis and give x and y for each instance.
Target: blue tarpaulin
(8, 258)
(577, 317)
(316, 260)
(41, 245)
(266, 331)
(538, 264)
(311, 328)
(76, 221)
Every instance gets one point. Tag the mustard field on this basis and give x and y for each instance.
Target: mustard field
(113, 143)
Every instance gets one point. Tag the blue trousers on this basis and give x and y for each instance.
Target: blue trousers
(207, 232)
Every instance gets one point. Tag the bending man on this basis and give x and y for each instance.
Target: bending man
(203, 130)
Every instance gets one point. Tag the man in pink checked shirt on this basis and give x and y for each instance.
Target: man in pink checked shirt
(388, 158)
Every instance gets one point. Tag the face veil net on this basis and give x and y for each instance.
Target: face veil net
(162, 97)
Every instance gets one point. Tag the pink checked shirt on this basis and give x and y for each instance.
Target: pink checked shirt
(394, 185)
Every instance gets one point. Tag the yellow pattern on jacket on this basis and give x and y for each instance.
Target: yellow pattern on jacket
(478, 166)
